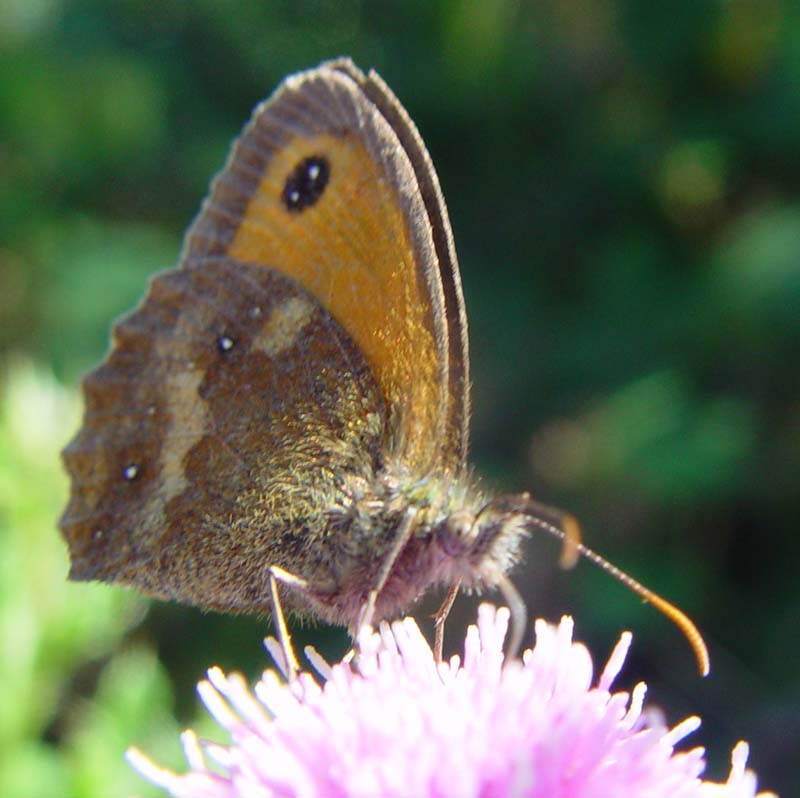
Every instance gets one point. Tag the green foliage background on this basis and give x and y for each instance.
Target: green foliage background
(624, 184)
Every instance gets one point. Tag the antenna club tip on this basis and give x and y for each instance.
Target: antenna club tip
(699, 647)
(571, 551)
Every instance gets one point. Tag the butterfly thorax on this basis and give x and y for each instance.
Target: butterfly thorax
(455, 536)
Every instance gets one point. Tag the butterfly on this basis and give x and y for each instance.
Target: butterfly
(293, 398)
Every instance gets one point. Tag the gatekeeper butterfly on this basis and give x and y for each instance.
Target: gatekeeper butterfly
(293, 399)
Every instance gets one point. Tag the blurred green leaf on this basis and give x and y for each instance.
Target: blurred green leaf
(55, 633)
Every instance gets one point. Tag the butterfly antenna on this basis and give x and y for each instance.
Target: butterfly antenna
(569, 534)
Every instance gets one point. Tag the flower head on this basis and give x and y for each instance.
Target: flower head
(401, 725)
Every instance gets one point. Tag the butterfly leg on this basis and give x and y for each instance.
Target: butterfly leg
(519, 615)
(276, 575)
(403, 535)
(440, 618)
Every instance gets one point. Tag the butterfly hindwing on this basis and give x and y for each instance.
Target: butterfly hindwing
(211, 434)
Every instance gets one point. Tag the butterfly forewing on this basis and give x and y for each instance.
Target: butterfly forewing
(363, 244)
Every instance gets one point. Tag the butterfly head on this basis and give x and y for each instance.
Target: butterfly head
(484, 544)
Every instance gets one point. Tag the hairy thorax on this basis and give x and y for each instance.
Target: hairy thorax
(448, 533)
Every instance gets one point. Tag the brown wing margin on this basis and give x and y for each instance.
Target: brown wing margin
(458, 411)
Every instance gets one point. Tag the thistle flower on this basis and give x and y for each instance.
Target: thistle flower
(401, 725)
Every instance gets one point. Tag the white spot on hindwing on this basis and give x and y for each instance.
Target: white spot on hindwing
(130, 472)
(225, 343)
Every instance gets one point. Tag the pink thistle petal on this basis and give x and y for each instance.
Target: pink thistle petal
(615, 661)
(396, 723)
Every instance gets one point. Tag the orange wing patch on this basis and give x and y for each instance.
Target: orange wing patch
(351, 249)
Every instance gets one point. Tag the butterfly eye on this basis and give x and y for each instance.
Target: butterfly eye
(461, 525)
(305, 184)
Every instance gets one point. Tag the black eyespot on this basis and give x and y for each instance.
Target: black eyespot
(131, 472)
(225, 343)
(305, 184)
